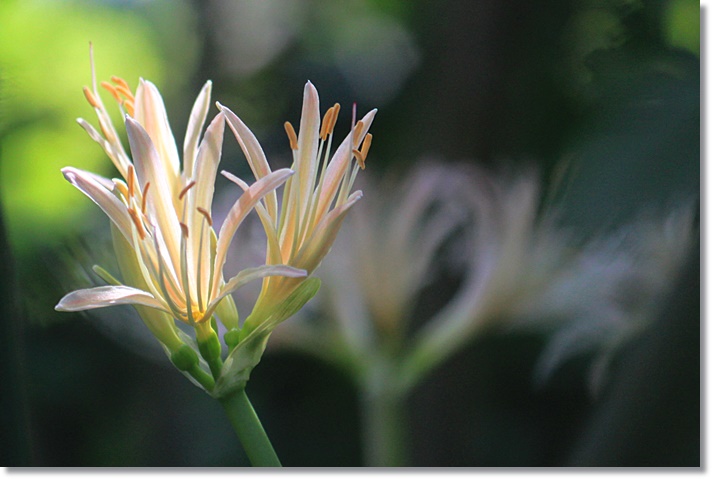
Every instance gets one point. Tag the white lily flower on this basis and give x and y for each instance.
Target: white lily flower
(302, 228)
(170, 256)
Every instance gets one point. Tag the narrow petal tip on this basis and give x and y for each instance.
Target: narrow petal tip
(70, 174)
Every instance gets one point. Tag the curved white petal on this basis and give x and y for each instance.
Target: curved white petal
(98, 192)
(238, 212)
(206, 165)
(253, 152)
(251, 274)
(103, 296)
(308, 142)
(201, 196)
(150, 112)
(274, 255)
(149, 168)
(195, 125)
(316, 247)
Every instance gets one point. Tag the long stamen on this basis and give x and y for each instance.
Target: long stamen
(184, 272)
(91, 64)
(209, 221)
(161, 280)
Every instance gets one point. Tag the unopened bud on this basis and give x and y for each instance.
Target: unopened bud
(184, 358)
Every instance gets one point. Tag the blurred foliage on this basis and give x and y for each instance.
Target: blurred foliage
(681, 25)
(44, 62)
(610, 85)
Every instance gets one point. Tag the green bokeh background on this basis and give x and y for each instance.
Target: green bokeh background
(611, 86)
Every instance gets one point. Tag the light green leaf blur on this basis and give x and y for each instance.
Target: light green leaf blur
(44, 63)
(682, 25)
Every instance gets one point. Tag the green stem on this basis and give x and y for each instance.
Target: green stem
(249, 430)
(383, 419)
(205, 379)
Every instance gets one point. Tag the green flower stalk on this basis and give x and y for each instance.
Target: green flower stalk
(170, 256)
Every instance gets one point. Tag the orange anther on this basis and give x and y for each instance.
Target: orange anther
(184, 229)
(323, 133)
(144, 195)
(91, 98)
(185, 190)
(366, 145)
(110, 88)
(129, 105)
(293, 144)
(334, 117)
(137, 221)
(205, 213)
(120, 81)
(131, 181)
(357, 130)
(125, 92)
(360, 159)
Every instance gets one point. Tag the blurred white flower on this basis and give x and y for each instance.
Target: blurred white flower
(612, 290)
(518, 269)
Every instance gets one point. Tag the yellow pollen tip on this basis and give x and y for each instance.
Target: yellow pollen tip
(185, 190)
(90, 97)
(184, 229)
(144, 195)
(138, 223)
(205, 213)
(293, 144)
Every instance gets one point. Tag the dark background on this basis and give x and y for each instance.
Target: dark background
(612, 86)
